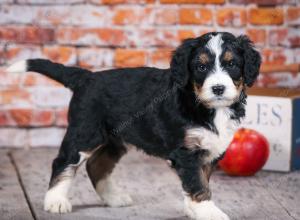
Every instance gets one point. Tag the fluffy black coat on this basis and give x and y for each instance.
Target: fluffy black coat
(149, 108)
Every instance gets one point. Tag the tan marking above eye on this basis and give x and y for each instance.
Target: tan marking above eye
(204, 58)
(228, 56)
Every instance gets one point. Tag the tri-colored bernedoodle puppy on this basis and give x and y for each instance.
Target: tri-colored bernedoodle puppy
(186, 115)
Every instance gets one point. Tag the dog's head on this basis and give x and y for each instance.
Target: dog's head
(217, 66)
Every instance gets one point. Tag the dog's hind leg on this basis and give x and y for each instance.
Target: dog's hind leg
(71, 155)
(99, 167)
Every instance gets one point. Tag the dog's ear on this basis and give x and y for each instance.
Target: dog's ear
(180, 62)
(252, 60)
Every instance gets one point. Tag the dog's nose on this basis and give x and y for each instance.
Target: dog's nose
(218, 89)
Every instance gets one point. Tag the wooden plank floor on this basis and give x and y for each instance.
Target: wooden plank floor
(154, 187)
(13, 203)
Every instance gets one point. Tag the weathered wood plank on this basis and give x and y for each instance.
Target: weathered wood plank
(154, 187)
(285, 188)
(13, 205)
(153, 199)
(245, 198)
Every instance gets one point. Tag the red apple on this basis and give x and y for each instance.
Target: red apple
(247, 153)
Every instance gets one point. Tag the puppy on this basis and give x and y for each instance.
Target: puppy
(186, 115)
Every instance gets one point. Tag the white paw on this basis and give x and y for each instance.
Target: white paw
(205, 210)
(57, 204)
(116, 199)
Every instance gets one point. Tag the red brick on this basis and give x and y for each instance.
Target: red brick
(285, 37)
(31, 117)
(42, 118)
(184, 34)
(166, 16)
(29, 34)
(114, 2)
(165, 38)
(278, 36)
(4, 118)
(15, 96)
(161, 58)
(192, 1)
(95, 57)
(60, 54)
(192, 33)
(205, 31)
(20, 52)
(126, 16)
(277, 56)
(293, 16)
(153, 38)
(195, 16)
(232, 17)
(263, 2)
(2, 55)
(130, 58)
(294, 37)
(91, 36)
(21, 116)
(61, 116)
(258, 36)
(266, 16)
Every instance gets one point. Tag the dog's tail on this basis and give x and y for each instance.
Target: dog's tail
(68, 76)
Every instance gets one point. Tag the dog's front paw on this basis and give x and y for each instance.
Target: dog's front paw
(57, 204)
(116, 199)
(205, 210)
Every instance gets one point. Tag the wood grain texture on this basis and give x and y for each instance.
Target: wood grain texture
(13, 205)
(153, 199)
(285, 189)
(246, 198)
(156, 191)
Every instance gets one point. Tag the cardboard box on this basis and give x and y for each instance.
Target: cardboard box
(276, 114)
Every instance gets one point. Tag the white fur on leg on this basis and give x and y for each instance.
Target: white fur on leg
(56, 200)
(111, 194)
(205, 210)
(18, 67)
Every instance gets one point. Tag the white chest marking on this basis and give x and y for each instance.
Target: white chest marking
(216, 144)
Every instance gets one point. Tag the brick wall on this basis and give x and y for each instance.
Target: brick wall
(100, 34)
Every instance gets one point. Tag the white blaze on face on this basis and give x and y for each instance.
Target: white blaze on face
(218, 77)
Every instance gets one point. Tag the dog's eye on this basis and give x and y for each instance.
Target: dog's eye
(231, 64)
(202, 68)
